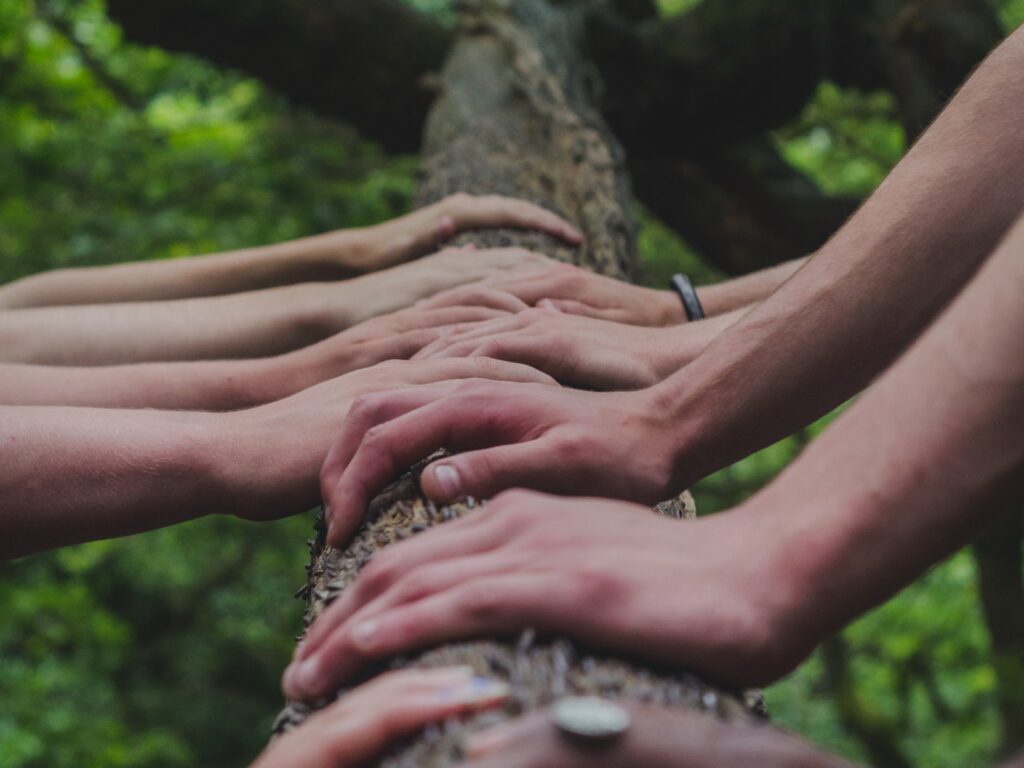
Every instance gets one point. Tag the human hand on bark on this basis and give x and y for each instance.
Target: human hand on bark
(579, 291)
(577, 350)
(656, 738)
(394, 336)
(614, 444)
(424, 229)
(365, 722)
(712, 595)
(266, 460)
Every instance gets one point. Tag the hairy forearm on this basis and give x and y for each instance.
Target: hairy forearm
(867, 294)
(912, 470)
(330, 256)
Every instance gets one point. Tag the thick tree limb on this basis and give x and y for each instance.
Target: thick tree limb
(513, 117)
(358, 61)
(691, 97)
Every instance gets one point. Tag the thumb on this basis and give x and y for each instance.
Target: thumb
(489, 471)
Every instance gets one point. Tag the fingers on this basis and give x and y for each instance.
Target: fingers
(461, 538)
(385, 448)
(340, 653)
(364, 413)
(476, 294)
(573, 307)
(497, 745)
(370, 718)
(483, 473)
(477, 212)
(450, 369)
(483, 605)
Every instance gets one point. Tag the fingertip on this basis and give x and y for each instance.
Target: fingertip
(445, 228)
(442, 482)
(548, 304)
(573, 235)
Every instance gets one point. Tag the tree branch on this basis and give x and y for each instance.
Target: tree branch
(359, 61)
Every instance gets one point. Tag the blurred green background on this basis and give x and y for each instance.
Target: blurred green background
(164, 649)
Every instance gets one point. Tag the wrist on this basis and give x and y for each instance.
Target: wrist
(668, 307)
(817, 581)
(257, 466)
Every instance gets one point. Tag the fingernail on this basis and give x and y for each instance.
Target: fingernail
(302, 677)
(447, 478)
(477, 690)
(364, 635)
(488, 742)
(547, 304)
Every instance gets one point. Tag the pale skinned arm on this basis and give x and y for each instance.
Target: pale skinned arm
(332, 256)
(831, 328)
(224, 385)
(907, 475)
(578, 291)
(241, 325)
(79, 474)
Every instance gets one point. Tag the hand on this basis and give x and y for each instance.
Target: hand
(371, 718)
(576, 350)
(395, 336)
(267, 459)
(657, 738)
(578, 291)
(401, 286)
(711, 595)
(423, 230)
(615, 444)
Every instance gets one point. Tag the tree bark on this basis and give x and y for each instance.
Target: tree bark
(513, 116)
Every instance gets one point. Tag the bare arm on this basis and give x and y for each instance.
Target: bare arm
(820, 338)
(908, 474)
(69, 475)
(331, 256)
(740, 292)
(241, 325)
(871, 290)
(224, 385)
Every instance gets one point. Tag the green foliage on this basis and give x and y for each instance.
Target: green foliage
(164, 649)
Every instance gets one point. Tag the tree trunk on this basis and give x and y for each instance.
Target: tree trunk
(513, 116)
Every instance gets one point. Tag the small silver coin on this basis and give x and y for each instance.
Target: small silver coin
(590, 717)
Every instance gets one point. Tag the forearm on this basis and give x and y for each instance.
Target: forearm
(677, 346)
(866, 295)
(331, 256)
(76, 474)
(911, 472)
(244, 325)
(208, 385)
(720, 298)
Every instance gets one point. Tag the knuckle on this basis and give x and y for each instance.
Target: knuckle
(592, 585)
(479, 603)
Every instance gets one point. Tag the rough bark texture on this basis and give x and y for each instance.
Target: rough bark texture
(512, 117)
